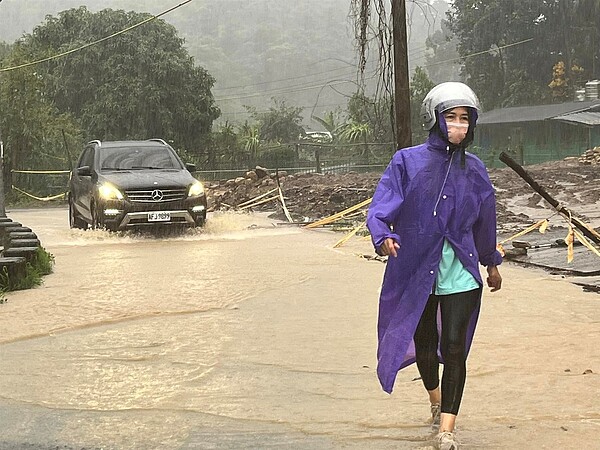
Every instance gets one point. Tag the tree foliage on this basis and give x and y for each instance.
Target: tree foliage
(548, 31)
(280, 123)
(419, 87)
(376, 113)
(442, 59)
(36, 135)
(137, 85)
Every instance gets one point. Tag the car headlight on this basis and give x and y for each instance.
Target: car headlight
(109, 192)
(196, 189)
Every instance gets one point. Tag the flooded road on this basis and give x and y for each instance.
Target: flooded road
(176, 341)
(248, 334)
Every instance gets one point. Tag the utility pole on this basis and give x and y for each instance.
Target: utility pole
(401, 79)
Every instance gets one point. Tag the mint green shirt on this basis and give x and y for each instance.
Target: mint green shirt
(452, 277)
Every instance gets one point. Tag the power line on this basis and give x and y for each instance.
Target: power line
(68, 52)
(302, 87)
(478, 53)
(280, 80)
(283, 90)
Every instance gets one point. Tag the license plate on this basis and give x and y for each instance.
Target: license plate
(159, 216)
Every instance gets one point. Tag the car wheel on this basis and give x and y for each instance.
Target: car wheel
(110, 227)
(74, 220)
(199, 222)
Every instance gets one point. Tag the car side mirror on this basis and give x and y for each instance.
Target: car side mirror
(84, 171)
(190, 167)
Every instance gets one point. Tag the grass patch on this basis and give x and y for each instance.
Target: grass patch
(41, 264)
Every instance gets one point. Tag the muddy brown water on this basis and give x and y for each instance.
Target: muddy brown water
(248, 334)
(175, 340)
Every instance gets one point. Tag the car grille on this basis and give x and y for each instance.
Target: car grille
(149, 196)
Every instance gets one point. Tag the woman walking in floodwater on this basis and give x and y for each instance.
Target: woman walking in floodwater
(434, 215)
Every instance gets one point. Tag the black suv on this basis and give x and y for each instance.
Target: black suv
(122, 184)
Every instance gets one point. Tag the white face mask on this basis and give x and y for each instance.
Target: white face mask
(457, 132)
(457, 125)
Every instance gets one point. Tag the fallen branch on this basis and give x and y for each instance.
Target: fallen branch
(587, 230)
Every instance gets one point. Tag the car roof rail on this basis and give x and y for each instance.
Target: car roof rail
(162, 141)
(96, 141)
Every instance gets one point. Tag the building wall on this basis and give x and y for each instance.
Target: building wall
(533, 142)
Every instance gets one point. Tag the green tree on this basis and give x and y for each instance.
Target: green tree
(377, 114)
(4, 50)
(331, 122)
(358, 132)
(35, 134)
(140, 84)
(250, 137)
(442, 58)
(227, 144)
(419, 87)
(281, 123)
(550, 31)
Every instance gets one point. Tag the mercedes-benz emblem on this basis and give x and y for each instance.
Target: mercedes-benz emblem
(156, 195)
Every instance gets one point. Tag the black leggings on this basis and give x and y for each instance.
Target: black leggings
(456, 310)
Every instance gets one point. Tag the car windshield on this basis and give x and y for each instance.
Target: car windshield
(138, 158)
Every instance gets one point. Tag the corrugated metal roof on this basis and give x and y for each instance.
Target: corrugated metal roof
(586, 118)
(535, 113)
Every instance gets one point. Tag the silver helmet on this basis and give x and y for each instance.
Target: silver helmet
(444, 97)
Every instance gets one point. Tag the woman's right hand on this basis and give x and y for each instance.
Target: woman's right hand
(389, 247)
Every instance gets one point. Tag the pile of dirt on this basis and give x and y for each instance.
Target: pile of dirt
(309, 197)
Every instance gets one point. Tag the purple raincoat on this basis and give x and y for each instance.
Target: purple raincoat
(424, 197)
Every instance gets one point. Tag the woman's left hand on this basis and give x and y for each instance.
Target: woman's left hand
(494, 280)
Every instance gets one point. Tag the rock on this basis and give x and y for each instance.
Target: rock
(239, 180)
(252, 175)
(261, 172)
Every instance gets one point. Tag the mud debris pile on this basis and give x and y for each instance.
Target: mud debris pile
(308, 196)
(311, 196)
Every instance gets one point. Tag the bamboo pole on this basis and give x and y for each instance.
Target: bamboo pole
(285, 210)
(339, 215)
(266, 200)
(258, 197)
(348, 236)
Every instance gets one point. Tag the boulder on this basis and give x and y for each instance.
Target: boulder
(261, 172)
